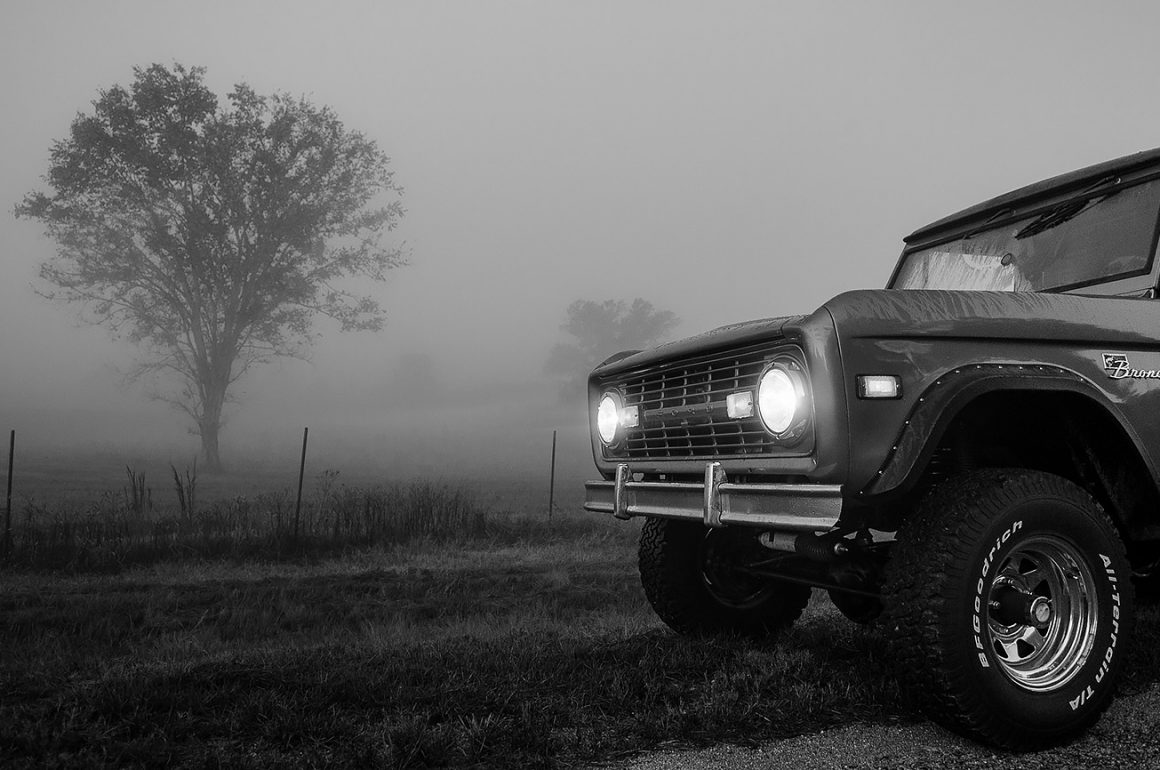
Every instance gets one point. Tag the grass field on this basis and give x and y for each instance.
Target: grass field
(532, 654)
(521, 642)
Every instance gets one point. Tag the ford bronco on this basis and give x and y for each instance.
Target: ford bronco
(967, 458)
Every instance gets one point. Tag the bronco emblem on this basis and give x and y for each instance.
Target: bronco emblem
(1118, 368)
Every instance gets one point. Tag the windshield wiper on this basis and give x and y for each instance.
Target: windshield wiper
(1054, 218)
(1067, 210)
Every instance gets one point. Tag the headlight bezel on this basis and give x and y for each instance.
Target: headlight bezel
(800, 420)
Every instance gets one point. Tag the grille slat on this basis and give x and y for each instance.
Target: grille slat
(727, 384)
(696, 388)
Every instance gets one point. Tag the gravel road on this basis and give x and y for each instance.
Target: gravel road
(1128, 736)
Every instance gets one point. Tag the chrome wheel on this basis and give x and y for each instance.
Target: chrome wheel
(1042, 613)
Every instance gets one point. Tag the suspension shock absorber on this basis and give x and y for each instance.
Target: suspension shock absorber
(821, 548)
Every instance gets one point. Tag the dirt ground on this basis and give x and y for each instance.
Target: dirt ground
(1128, 736)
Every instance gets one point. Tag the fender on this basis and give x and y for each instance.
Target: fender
(942, 402)
(612, 359)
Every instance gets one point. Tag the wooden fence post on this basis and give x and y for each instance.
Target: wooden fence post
(8, 504)
(552, 479)
(301, 471)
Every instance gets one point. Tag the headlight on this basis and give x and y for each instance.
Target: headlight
(608, 417)
(782, 399)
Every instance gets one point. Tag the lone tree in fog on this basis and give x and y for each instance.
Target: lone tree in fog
(599, 329)
(211, 234)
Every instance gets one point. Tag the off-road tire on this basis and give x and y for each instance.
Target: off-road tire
(974, 540)
(688, 575)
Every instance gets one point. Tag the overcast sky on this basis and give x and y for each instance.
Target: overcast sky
(723, 160)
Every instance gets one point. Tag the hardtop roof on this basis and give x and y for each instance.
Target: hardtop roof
(1072, 181)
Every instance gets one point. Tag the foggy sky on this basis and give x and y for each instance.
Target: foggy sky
(724, 161)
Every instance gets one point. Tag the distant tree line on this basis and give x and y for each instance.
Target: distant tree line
(598, 330)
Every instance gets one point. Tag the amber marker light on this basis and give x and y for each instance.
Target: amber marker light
(739, 405)
(879, 386)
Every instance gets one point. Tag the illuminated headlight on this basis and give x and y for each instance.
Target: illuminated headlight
(782, 399)
(608, 417)
(612, 416)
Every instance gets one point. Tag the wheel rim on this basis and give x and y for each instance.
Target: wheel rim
(1042, 613)
(721, 557)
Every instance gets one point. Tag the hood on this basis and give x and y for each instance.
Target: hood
(994, 314)
(729, 336)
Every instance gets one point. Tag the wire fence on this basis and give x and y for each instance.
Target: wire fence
(140, 524)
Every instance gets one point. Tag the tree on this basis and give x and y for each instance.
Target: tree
(212, 235)
(600, 329)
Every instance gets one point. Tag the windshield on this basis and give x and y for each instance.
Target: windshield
(1075, 244)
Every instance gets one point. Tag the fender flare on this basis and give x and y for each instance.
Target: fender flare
(942, 402)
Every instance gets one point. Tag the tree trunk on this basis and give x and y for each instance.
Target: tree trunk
(209, 447)
(210, 424)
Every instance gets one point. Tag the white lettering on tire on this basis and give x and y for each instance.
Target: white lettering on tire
(977, 617)
(1110, 652)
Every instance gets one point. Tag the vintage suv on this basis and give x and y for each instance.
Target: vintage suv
(967, 457)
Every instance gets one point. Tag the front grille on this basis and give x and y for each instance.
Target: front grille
(682, 407)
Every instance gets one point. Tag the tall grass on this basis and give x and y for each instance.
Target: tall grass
(118, 530)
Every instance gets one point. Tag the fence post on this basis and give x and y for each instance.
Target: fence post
(552, 479)
(301, 471)
(8, 504)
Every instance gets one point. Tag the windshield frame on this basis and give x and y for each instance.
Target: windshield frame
(1134, 281)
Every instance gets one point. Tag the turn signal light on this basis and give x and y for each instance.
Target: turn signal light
(739, 405)
(879, 386)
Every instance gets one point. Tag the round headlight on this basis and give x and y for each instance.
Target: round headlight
(608, 417)
(781, 398)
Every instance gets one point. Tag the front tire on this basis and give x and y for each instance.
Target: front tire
(1009, 607)
(694, 578)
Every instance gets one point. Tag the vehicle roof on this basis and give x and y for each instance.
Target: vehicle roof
(1056, 185)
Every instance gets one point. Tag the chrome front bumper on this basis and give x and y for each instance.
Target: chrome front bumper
(789, 507)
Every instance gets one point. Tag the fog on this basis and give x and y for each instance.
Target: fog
(723, 161)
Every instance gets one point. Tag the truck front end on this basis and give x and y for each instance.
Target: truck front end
(733, 446)
(742, 426)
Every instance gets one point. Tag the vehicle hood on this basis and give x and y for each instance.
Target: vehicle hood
(910, 313)
(884, 313)
(730, 336)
